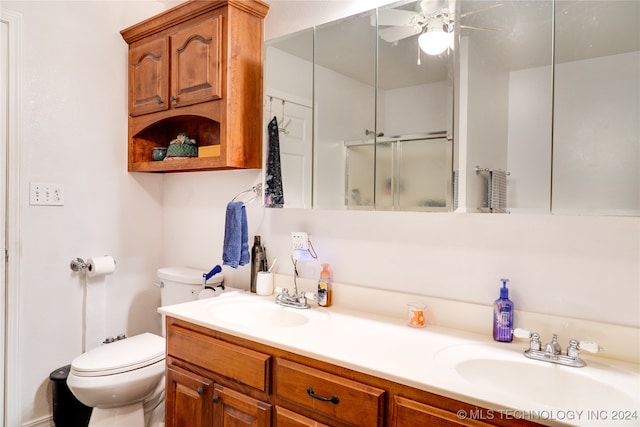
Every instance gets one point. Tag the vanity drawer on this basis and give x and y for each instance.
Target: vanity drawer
(237, 363)
(340, 398)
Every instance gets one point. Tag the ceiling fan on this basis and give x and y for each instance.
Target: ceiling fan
(432, 20)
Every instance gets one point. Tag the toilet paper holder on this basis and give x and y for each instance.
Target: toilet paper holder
(78, 264)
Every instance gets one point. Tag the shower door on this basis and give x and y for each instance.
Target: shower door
(409, 172)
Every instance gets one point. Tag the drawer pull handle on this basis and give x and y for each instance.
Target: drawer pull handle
(333, 399)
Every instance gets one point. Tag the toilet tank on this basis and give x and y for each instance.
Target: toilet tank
(182, 284)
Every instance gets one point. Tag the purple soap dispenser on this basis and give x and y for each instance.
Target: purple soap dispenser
(503, 315)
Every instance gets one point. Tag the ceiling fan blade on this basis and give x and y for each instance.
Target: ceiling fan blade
(393, 34)
(395, 17)
(478, 28)
(480, 10)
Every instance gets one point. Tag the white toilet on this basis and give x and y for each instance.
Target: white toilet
(124, 381)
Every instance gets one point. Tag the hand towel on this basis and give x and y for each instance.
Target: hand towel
(274, 197)
(236, 236)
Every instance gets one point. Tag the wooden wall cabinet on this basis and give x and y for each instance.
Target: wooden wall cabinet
(216, 380)
(197, 68)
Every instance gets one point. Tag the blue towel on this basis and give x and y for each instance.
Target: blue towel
(236, 236)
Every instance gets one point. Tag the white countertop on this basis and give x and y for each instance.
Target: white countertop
(427, 359)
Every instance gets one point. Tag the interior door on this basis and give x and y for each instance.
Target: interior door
(295, 138)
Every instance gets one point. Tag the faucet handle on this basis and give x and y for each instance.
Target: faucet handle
(590, 346)
(534, 344)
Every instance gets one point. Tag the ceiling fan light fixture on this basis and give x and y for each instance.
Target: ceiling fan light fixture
(434, 41)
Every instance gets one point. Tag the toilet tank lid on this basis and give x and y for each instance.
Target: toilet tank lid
(189, 276)
(120, 356)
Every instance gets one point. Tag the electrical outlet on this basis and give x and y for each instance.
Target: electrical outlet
(300, 241)
(46, 194)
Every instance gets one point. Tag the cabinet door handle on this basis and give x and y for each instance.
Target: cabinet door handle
(173, 99)
(215, 398)
(200, 390)
(333, 399)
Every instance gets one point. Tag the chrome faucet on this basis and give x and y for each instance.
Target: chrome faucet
(553, 347)
(297, 300)
(553, 352)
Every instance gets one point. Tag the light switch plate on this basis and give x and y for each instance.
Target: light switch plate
(46, 194)
(299, 241)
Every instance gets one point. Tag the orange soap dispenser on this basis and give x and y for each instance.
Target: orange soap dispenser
(324, 287)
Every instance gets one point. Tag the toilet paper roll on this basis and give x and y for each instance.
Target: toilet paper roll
(100, 265)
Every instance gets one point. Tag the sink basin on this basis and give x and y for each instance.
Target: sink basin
(259, 314)
(546, 384)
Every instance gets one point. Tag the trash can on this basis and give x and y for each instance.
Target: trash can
(67, 410)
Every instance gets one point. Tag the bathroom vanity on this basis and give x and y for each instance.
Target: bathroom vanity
(241, 359)
(218, 379)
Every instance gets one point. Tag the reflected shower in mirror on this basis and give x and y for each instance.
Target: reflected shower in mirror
(414, 113)
(382, 116)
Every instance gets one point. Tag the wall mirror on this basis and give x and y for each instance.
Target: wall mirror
(596, 126)
(289, 99)
(504, 112)
(382, 113)
(540, 124)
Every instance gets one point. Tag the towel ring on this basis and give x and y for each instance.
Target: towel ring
(256, 189)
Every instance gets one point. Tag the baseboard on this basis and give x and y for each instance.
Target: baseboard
(42, 422)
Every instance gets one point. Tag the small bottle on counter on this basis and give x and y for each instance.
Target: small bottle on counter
(324, 287)
(258, 261)
(503, 315)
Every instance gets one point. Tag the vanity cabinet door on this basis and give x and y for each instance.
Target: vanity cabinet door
(196, 63)
(149, 77)
(232, 408)
(188, 399)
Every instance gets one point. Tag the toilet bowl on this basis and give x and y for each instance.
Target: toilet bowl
(123, 381)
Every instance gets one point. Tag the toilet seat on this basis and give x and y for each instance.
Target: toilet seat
(120, 356)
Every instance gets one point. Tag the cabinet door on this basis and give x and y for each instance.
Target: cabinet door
(233, 409)
(149, 77)
(409, 413)
(196, 69)
(188, 400)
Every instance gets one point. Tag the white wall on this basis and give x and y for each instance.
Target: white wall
(529, 146)
(74, 131)
(596, 135)
(406, 109)
(487, 121)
